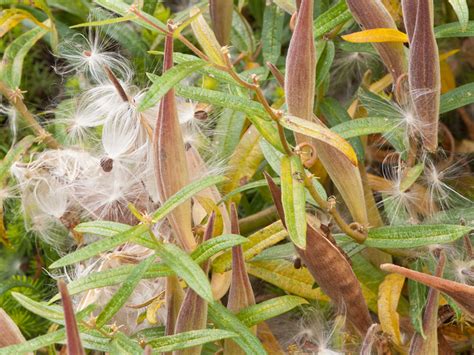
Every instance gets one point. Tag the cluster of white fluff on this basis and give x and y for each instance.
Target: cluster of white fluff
(106, 164)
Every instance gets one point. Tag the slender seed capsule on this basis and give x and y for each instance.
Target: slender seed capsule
(241, 294)
(300, 80)
(221, 16)
(424, 72)
(193, 312)
(170, 160)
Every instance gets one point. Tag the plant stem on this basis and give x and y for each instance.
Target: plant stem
(358, 236)
(15, 98)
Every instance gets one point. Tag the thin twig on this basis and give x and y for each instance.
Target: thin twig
(358, 236)
(15, 97)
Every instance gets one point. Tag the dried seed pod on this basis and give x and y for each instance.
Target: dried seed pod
(193, 312)
(241, 293)
(221, 16)
(424, 72)
(331, 270)
(372, 14)
(170, 161)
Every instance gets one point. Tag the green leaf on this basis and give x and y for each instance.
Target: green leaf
(122, 344)
(364, 126)
(13, 155)
(15, 53)
(459, 97)
(221, 99)
(274, 307)
(186, 268)
(124, 292)
(401, 237)
(112, 277)
(324, 63)
(35, 344)
(122, 8)
(161, 85)
(335, 114)
(109, 21)
(254, 111)
(272, 30)
(462, 11)
(249, 186)
(223, 318)
(231, 124)
(242, 35)
(293, 199)
(214, 245)
(417, 293)
(454, 30)
(100, 246)
(260, 240)
(189, 339)
(109, 243)
(335, 16)
(53, 313)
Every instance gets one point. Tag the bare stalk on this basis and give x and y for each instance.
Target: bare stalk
(15, 97)
(330, 207)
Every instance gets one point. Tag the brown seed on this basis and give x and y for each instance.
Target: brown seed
(107, 164)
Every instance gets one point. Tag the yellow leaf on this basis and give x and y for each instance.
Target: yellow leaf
(209, 206)
(260, 240)
(244, 162)
(283, 274)
(376, 35)
(448, 81)
(389, 295)
(206, 38)
(320, 133)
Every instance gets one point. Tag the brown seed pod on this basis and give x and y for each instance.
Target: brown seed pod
(330, 270)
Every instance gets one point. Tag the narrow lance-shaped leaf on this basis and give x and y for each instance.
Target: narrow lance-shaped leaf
(389, 295)
(294, 199)
(206, 38)
(330, 269)
(193, 312)
(241, 294)
(74, 345)
(221, 16)
(124, 292)
(428, 343)
(371, 14)
(462, 11)
(424, 70)
(170, 161)
(376, 35)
